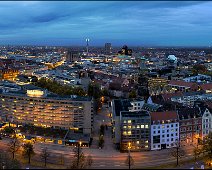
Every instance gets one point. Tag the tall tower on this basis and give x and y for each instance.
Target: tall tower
(87, 40)
(108, 48)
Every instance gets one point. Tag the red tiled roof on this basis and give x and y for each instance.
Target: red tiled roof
(183, 83)
(206, 86)
(168, 96)
(167, 115)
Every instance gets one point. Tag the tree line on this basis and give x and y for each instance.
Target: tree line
(59, 89)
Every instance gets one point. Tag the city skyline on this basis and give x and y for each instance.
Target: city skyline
(143, 23)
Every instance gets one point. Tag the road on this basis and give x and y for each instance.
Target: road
(107, 157)
(110, 159)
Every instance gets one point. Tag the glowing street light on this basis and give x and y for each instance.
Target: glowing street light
(129, 147)
(78, 152)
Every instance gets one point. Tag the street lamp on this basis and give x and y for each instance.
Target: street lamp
(129, 147)
(197, 137)
(78, 153)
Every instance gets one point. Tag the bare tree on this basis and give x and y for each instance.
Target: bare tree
(177, 151)
(14, 146)
(81, 161)
(45, 155)
(7, 163)
(28, 151)
(89, 160)
(129, 161)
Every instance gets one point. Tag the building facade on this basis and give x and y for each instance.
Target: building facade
(40, 109)
(164, 129)
(130, 125)
(183, 86)
(190, 120)
(108, 48)
(206, 122)
(8, 74)
(72, 56)
(135, 129)
(188, 99)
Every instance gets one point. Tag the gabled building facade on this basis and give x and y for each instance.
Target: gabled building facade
(190, 120)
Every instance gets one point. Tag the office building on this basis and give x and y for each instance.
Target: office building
(108, 48)
(36, 106)
(131, 124)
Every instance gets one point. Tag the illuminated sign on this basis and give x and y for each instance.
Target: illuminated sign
(35, 93)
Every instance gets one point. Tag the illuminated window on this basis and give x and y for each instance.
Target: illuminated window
(142, 126)
(125, 121)
(163, 126)
(129, 132)
(129, 127)
(146, 146)
(129, 121)
(2, 99)
(137, 142)
(124, 132)
(146, 126)
(146, 141)
(138, 126)
(124, 127)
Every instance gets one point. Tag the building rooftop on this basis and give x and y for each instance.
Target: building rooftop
(151, 107)
(52, 96)
(187, 113)
(135, 114)
(207, 86)
(121, 105)
(182, 83)
(167, 115)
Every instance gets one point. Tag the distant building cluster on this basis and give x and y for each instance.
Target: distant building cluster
(157, 96)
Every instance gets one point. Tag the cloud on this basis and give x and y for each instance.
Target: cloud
(137, 22)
